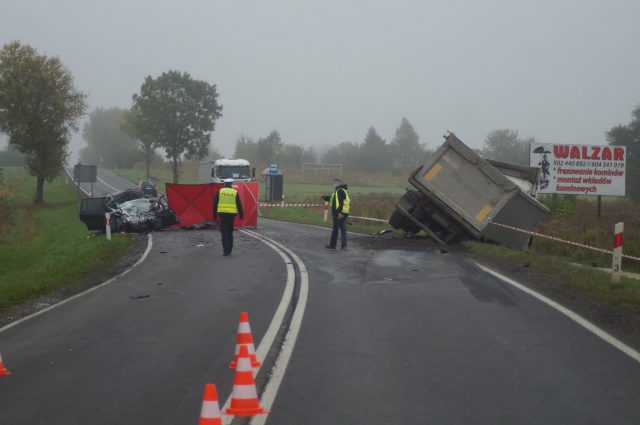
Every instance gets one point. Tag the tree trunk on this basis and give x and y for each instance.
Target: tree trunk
(40, 190)
(175, 169)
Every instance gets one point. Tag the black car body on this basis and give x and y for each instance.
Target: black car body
(130, 211)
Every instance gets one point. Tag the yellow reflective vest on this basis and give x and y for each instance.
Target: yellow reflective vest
(227, 201)
(346, 204)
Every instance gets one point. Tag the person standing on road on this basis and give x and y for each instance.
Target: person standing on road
(340, 206)
(227, 204)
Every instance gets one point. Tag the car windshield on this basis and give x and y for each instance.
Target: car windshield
(234, 172)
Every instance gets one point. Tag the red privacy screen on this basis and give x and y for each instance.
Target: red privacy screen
(193, 203)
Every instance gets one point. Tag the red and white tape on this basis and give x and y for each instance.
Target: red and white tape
(553, 238)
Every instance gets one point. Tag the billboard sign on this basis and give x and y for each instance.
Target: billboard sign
(579, 169)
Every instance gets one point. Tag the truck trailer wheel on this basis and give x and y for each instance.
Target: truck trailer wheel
(400, 222)
(397, 220)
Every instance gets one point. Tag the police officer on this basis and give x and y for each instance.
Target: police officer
(227, 204)
(340, 206)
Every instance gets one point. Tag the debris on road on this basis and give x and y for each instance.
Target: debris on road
(138, 297)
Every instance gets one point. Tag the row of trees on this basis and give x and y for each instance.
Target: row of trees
(272, 148)
(373, 155)
(40, 108)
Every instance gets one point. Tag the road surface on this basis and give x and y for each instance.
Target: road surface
(108, 182)
(387, 337)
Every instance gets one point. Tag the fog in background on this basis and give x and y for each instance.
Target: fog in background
(322, 72)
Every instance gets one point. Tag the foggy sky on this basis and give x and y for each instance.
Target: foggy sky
(322, 72)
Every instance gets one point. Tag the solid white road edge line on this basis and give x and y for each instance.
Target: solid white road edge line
(570, 314)
(272, 331)
(280, 367)
(113, 279)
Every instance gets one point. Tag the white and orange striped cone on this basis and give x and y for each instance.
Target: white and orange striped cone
(245, 338)
(3, 370)
(244, 397)
(210, 412)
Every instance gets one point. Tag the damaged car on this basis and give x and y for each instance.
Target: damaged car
(130, 211)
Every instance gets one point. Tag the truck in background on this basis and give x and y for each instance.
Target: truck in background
(215, 171)
(457, 193)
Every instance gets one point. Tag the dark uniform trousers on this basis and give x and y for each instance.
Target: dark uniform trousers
(226, 229)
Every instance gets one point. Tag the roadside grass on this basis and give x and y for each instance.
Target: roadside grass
(591, 281)
(314, 216)
(297, 192)
(579, 223)
(47, 247)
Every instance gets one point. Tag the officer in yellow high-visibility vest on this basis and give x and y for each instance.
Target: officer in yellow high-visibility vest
(226, 205)
(340, 204)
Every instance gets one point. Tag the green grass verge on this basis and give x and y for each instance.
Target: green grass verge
(46, 247)
(312, 192)
(590, 281)
(294, 192)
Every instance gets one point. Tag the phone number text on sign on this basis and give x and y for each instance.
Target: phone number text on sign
(580, 169)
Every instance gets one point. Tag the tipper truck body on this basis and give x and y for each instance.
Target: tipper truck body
(458, 193)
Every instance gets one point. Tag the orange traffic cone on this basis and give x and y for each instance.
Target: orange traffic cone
(244, 397)
(210, 413)
(3, 370)
(245, 338)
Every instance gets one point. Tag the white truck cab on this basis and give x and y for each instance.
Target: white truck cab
(220, 169)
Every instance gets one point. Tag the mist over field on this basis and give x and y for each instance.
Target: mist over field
(323, 72)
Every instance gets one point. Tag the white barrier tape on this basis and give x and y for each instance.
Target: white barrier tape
(262, 204)
(553, 238)
(378, 220)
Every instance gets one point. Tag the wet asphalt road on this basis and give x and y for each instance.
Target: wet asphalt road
(140, 350)
(397, 337)
(389, 337)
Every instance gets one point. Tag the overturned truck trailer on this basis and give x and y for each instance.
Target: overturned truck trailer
(457, 194)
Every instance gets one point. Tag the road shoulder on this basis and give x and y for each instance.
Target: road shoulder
(622, 324)
(130, 257)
